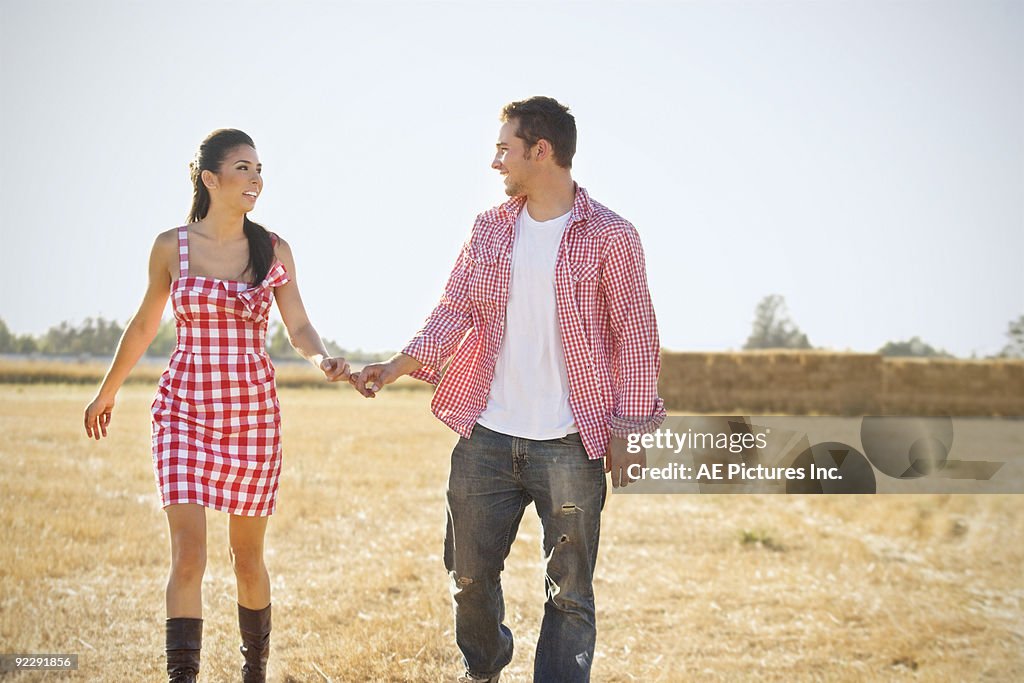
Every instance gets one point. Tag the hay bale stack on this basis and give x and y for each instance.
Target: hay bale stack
(827, 383)
(772, 382)
(914, 386)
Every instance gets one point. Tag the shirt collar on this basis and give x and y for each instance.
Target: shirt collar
(582, 208)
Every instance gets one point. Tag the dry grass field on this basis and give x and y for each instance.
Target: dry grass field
(690, 588)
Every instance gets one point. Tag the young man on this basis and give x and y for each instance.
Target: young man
(553, 343)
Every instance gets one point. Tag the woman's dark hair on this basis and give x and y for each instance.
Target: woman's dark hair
(209, 157)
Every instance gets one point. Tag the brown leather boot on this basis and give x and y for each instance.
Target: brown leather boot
(184, 640)
(255, 628)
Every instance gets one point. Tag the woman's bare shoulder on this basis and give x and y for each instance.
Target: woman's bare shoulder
(168, 239)
(165, 248)
(281, 248)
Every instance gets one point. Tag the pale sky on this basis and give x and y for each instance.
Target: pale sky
(863, 159)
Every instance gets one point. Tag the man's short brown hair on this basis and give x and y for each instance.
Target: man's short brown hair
(544, 118)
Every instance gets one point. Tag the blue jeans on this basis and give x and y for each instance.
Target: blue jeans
(493, 478)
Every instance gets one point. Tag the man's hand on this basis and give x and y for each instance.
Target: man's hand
(376, 376)
(335, 369)
(618, 460)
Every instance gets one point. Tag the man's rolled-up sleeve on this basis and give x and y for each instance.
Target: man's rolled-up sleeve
(636, 359)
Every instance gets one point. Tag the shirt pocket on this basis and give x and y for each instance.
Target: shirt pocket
(585, 275)
(585, 272)
(586, 278)
(486, 275)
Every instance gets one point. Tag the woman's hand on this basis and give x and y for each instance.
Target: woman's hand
(97, 416)
(335, 369)
(374, 377)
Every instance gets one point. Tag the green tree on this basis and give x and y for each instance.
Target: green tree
(57, 339)
(278, 345)
(773, 328)
(280, 348)
(26, 343)
(96, 336)
(165, 340)
(7, 340)
(15, 343)
(913, 348)
(334, 349)
(1015, 333)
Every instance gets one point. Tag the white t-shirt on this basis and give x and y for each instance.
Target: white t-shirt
(529, 395)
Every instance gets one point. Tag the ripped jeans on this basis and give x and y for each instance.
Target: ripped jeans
(493, 478)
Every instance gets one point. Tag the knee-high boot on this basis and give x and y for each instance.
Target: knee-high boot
(184, 641)
(255, 628)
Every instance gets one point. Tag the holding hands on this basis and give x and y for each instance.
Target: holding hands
(372, 378)
(376, 376)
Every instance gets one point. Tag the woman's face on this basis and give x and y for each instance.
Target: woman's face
(237, 182)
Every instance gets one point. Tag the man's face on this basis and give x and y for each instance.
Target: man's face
(513, 160)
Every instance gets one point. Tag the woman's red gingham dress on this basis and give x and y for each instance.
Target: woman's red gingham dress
(216, 419)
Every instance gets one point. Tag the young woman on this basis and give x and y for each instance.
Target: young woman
(216, 420)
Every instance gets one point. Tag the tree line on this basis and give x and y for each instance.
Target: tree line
(773, 328)
(99, 337)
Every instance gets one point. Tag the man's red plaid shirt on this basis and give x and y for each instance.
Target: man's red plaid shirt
(609, 331)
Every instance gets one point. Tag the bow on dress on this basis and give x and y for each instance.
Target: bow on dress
(256, 300)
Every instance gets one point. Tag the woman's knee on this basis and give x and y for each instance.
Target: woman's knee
(188, 542)
(188, 562)
(247, 561)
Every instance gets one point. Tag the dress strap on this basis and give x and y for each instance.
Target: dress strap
(183, 251)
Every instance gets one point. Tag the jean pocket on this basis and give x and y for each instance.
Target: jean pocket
(571, 440)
